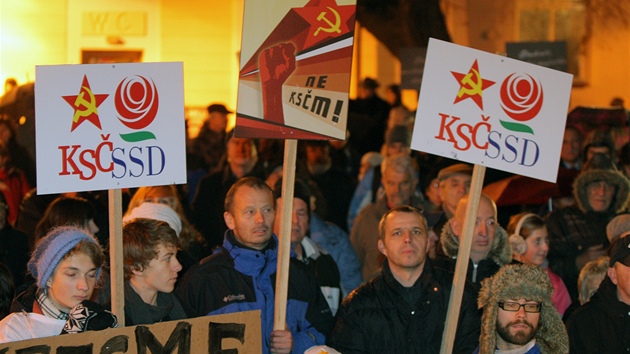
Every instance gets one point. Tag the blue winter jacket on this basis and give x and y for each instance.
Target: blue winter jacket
(237, 278)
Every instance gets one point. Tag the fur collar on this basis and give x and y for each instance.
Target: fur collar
(501, 252)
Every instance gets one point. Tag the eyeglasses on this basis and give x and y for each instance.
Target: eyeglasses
(515, 306)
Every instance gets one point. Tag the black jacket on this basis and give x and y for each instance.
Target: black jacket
(602, 325)
(382, 316)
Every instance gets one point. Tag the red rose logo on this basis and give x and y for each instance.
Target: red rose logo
(521, 97)
(136, 102)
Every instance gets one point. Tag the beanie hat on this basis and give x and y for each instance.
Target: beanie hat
(618, 226)
(51, 250)
(300, 191)
(515, 281)
(398, 134)
(156, 211)
(601, 168)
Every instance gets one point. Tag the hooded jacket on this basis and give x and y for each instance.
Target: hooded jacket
(500, 254)
(572, 230)
(516, 281)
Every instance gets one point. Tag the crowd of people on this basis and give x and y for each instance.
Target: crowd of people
(375, 235)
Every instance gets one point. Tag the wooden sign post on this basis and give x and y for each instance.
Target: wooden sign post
(461, 268)
(117, 275)
(284, 237)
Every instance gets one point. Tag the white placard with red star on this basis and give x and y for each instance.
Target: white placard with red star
(108, 126)
(491, 110)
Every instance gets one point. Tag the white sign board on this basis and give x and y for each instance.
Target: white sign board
(491, 110)
(109, 126)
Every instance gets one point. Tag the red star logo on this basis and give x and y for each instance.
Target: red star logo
(85, 105)
(471, 85)
(326, 20)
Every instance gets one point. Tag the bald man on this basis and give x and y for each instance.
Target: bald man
(490, 248)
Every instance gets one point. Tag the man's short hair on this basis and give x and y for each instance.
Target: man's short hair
(401, 209)
(252, 182)
(400, 163)
(141, 238)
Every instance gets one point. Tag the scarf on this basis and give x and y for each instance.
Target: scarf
(48, 307)
(139, 312)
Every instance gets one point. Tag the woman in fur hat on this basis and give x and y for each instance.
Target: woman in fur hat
(66, 265)
(518, 314)
(577, 234)
(530, 245)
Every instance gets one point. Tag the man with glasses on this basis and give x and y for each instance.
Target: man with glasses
(577, 234)
(518, 315)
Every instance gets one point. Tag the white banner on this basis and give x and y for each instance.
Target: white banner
(109, 126)
(491, 110)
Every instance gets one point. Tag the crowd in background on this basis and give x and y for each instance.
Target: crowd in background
(343, 192)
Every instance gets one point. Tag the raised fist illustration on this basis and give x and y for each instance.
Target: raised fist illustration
(276, 64)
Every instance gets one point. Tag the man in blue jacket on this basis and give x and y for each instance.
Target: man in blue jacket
(241, 275)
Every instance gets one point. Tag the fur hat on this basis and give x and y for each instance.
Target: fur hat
(601, 168)
(156, 211)
(51, 250)
(515, 281)
(501, 252)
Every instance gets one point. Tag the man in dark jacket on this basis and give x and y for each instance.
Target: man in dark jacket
(403, 309)
(241, 275)
(602, 325)
(317, 259)
(207, 206)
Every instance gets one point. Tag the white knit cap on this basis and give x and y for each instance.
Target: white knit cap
(156, 211)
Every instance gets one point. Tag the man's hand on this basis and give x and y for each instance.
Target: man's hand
(281, 342)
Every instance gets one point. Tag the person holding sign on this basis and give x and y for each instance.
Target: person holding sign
(403, 309)
(240, 275)
(66, 265)
(518, 314)
(490, 248)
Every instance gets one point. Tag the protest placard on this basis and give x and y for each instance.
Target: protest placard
(106, 126)
(234, 333)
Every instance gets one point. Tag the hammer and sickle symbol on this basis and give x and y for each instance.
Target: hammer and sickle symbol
(475, 86)
(90, 106)
(334, 27)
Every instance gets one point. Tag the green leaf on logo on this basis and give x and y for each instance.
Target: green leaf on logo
(137, 136)
(517, 127)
